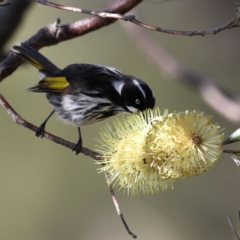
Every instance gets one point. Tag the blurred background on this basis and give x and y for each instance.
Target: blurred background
(46, 192)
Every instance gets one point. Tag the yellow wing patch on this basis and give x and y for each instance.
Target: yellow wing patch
(53, 84)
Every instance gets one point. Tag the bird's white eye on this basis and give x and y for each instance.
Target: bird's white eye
(137, 101)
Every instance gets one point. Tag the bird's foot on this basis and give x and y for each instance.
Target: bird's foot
(78, 147)
(40, 131)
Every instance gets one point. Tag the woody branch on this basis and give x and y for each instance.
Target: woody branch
(22, 122)
(235, 22)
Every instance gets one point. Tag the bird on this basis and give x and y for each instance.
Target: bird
(82, 94)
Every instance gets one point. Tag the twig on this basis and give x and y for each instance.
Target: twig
(117, 207)
(54, 34)
(85, 11)
(235, 22)
(237, 152)
(19, 120)
(232, 227)
(225, 103)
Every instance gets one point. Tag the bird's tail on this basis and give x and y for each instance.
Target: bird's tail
(51, 76)
(36, 59)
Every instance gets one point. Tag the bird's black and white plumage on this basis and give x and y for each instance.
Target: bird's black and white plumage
(82, 94)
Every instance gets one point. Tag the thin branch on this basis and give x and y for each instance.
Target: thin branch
(223, 102)
(235, 22)
(54, 34)
(117, 207)
(232, 226)
(236, 152)
(19, 120)
(85, 11)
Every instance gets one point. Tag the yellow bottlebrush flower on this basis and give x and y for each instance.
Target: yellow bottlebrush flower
(147, 151)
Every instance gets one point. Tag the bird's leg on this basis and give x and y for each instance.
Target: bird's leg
(40, 131)
(78, 147)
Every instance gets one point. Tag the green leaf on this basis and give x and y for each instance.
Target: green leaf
(234, 137)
